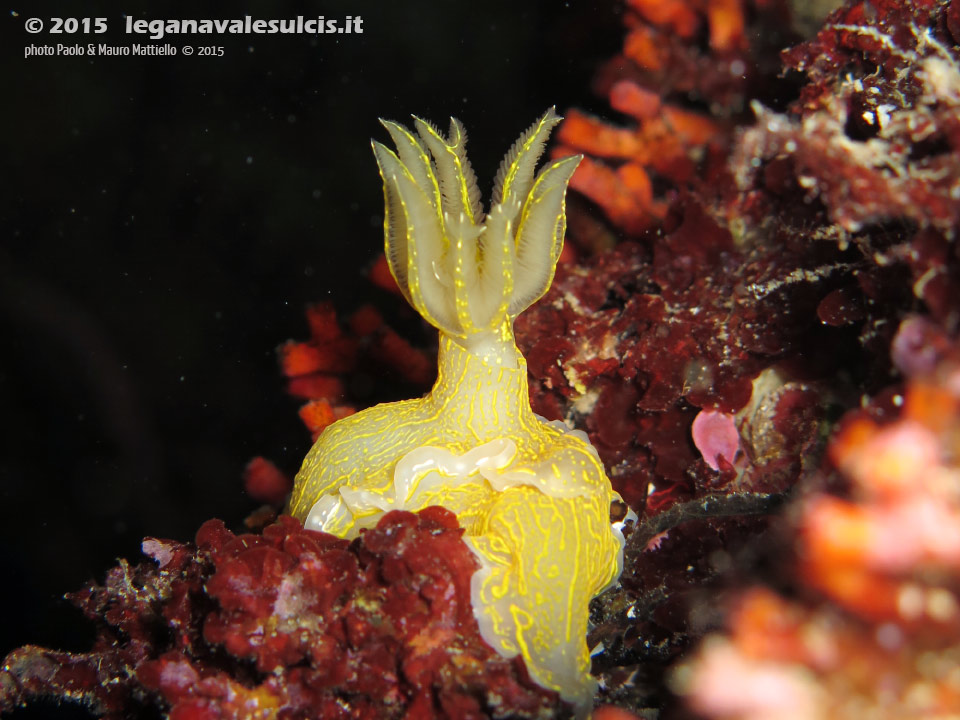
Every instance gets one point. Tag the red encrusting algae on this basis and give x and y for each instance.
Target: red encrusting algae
(288, 623)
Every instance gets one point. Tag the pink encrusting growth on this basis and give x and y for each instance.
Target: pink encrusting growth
(716, 437)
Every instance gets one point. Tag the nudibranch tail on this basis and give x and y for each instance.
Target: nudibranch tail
(464, 271)
(524, 598)
(532, 496)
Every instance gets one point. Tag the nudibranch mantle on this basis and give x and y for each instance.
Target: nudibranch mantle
(532, 496)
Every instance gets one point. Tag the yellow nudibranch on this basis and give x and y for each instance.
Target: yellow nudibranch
(531, 495)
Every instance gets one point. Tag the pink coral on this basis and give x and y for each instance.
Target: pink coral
(715, 435)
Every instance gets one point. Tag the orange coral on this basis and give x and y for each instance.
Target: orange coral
(265, 482)
(782, 660)
(661, 144)
(318, 414)
(313, 367)
(675, 16)
(726, 21)
(683, 18)
(886, 557)
(316, 368)
(888, 552)
(662, 67)
(381, 276)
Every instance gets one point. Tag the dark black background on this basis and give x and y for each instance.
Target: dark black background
(165, 221)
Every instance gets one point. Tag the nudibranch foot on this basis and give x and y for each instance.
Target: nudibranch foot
(533, 588)
(532, 496)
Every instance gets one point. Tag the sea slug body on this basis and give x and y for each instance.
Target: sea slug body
(532, 496)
